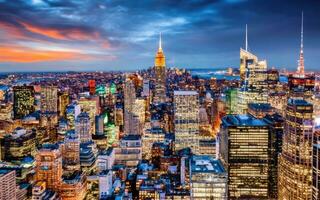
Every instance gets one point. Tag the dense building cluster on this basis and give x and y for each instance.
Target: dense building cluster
(161, 133)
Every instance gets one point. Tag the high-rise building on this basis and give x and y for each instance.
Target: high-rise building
(49, 100)
(91, 106)
(72, 112)
(129, 152)
(276, 124)
(243, 149)
(254, 76)
(71, 151)
(160, 75)
(208, 178)
(23, 101)
(131, 119)
(231, 101)
(20, 144)
(63, 102)
(186, 120)
(295, 162)
(7, 184)
(49, 166)
(82, 127)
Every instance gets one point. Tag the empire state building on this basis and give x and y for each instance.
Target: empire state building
(160, 76)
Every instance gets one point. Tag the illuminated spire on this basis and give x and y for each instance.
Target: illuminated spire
(301, 58)
(160, 58)
(246, 37)
(160, 42)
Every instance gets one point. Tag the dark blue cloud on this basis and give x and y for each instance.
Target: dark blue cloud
(196, 33)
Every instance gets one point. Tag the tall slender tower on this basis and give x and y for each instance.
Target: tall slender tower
(301, 58)
(160, 75)
(295, 162)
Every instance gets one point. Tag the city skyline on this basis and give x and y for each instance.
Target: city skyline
(112, 36)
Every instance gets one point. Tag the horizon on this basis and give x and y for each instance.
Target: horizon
(97, 35)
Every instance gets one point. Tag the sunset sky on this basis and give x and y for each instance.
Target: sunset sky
(60, 35)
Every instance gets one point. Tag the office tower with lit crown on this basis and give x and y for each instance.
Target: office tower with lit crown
(160, 75)
(295, 162)
(7, 184)
(49, 100)
(82, 127)
(243, 149)
(254, 86)
(23, 101)
(49, 166)
(186, 120)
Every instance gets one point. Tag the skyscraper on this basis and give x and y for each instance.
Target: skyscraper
(243, 149)
(129, 101)
(160, 75)
(23, 102)
(82, 127)
(186, 120)
(295, 162)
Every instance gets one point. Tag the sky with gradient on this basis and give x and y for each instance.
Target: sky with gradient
(89, 35)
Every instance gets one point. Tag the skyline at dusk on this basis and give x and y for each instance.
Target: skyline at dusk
(57, 35)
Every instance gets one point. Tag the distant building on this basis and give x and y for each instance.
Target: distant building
(23, 101)
(82, 127)
(49, 99)
(186, 120)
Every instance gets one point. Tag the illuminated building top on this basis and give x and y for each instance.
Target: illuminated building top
(160, 60)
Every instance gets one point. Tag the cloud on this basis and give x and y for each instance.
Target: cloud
(66, 34)
(21, 54)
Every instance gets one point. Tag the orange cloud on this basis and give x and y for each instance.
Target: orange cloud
(68, 34)
(12, 30)
(26, 55)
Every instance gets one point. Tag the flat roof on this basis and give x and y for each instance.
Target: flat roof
(299, 102)
(206, 164)
(242, 120)
(185, 93)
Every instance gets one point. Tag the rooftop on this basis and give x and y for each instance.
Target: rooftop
(260, 106)
(242, 120)
(299, 102)
(185, 93)
(206, 164)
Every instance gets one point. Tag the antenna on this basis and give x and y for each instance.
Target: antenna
(160, 42)
(246, 37)
(301, 33)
